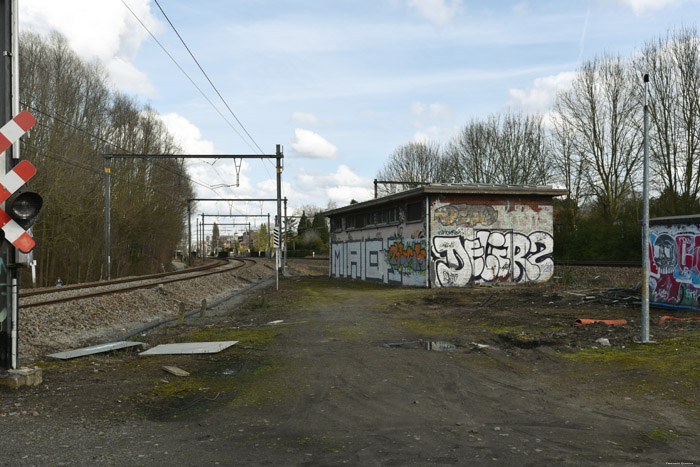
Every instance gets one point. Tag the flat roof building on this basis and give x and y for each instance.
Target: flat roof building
(446, 236)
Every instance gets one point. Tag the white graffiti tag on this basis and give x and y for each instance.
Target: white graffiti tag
(492, 256)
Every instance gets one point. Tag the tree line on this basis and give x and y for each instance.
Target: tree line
(78, 115)
(591, 143)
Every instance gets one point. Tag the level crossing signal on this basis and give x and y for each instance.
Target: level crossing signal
(22, 206)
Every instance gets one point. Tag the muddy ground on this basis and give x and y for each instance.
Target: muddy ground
(346, 380)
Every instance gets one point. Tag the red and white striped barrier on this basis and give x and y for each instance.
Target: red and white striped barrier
(15, 128)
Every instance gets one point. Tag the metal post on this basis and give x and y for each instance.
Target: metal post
(13, 331)
(286, 226)
(197, 237)
(108, 219)
(6, 250)
(268, 235)
(375, 188)
(204, 241)
(645, 228)
(189, 232)
(250, 241)
(279, 155)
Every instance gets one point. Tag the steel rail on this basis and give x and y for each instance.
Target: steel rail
(87, 285)
(243, 263)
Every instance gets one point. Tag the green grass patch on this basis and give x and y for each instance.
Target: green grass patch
(432, 328)
(659, 435)
(669, 367)
(246, 337)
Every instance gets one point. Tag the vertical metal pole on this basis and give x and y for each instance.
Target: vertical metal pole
(645, 228)
(197, 236)
(250, 241)
(6, 250)
(108, 218)
(268, 235)
(286, 226)
(278, 222)
(375, 188)
(189, 232)
(204, 241)
(13, 330)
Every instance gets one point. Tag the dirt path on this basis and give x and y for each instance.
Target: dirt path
(323, 389)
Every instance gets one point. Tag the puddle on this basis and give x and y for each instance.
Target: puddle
(436, 346)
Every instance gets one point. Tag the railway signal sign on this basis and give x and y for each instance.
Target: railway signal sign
(21, 206)
(276, 237)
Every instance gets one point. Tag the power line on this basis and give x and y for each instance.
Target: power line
(207, 77)
(188, 76)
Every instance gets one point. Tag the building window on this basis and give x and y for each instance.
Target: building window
(414, 212)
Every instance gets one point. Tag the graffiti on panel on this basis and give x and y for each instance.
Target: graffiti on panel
(407, 256)
(492, 256)
(525, 218)
(466, 215)
(394, 260)
(674, 256)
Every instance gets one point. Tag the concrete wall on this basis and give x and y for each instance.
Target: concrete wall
(486, 239)
(674, 253)
(392, 254)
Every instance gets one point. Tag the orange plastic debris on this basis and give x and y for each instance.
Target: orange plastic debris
(671, 318)
(611, 322)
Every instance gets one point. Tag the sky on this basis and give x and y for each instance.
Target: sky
(340, 84)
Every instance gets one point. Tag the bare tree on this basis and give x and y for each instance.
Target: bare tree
(600, 113)
(416, 163)
(503, 149)
(673, 64)
(77, 113)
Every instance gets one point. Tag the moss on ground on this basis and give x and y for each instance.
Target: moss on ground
(667, 369)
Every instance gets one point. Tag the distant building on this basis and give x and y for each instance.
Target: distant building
(674, 253)
(447, 235)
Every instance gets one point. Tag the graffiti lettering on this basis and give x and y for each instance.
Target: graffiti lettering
(492, 256)
(394, 260)
(466, 215)
(407, 256)
(674, 255)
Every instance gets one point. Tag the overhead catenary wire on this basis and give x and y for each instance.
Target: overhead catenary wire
(207, 77)
(188, 76)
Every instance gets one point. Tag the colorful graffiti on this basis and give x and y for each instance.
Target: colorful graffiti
(392, 261)
(674, 255)
(466, 215)
(407, 256)
(492, 256)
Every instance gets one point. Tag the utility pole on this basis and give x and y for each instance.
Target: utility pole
(8, 270)
(108, 218)
(279, 157)
(645, 227)
(286, 226)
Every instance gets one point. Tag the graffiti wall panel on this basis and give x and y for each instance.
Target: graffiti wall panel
(391, 261)
(373, 264)
(674, 254)
(481, 243)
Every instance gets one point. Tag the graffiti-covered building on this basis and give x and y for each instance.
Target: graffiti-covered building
(674, 253)
(446, 235)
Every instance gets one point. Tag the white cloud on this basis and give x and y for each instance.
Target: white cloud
(642, 6)
(312, 145)
(187, 135)
(303, 118)
(105, 30)
(540, 96)
(521, 9)
(430, 122)
(341, 187)
(438, 12)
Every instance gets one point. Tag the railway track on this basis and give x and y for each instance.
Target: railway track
(81, 291)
